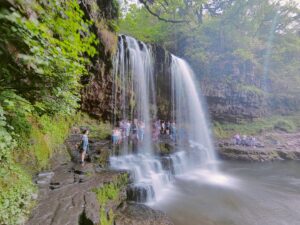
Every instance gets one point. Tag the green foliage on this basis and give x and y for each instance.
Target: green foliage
(140, 24)
(56, 128)
(15, 184)
(284, 123)
(39, 147)
(244, 54)
(46, 136)
(104, 220)
(47, 50)
(218, 130)
(106, 193)
(6, 140)
(15, 109)
(98, 129)
(15, 194)
(253, 44)
(251, 89)
(110, 192)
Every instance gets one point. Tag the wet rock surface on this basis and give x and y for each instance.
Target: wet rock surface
(276, 146)
(66, 192)
(140, 193)
(137, 214)
(99, 150)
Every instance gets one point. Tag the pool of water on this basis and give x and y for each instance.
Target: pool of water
(241, 194)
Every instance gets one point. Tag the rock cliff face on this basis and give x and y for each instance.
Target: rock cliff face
(239, 97)
(233, 98)
(235, 91)
(97, 96)
(162, 74)
(68, 194)
(229, 102)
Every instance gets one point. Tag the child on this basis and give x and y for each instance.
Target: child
(84, 148)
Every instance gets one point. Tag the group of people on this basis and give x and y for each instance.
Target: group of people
(244, 140)
(161, 127)
(135, 131)
(128, 130)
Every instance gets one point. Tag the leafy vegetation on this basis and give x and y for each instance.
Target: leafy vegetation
(45, 48)
(283, 123)
(255, 45)
(110, 192)
(15, 194)
(98, 129)
(43, 53)
(106, 193)
(21, 157)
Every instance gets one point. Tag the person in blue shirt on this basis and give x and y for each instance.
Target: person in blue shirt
(84, 146)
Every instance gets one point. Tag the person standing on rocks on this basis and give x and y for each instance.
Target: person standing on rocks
(84, 146)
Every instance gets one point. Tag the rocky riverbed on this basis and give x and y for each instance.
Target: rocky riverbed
(273, 146)
(68, 192)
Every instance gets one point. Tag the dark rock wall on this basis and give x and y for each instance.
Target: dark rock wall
(234, 91)
(97, 95)
(226, 102)
(232, 98)
(162, 73)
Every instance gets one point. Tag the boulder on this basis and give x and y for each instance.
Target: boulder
(137, 214)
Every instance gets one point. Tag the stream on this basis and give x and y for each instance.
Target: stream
(244, 194)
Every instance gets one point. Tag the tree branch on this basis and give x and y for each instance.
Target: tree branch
(158, 16)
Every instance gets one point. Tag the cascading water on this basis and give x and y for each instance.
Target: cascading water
(190, 118)
(134, 71)
(134, 76)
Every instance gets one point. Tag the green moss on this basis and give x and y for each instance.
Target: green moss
(219, 130)
(16, 189)
(163, 148)
(26, 156)
(40, 147)
(251, 89)
(104, 219)
(104, 157)
(285, 123)
(110, 192)
(98, 129)
(45, 138)
(106, 193)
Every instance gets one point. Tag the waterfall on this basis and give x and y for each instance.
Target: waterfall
(135, 100)
(189, 114)
(134, 75)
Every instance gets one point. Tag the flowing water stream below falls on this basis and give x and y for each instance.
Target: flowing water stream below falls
(189, 184)
(136, 89)
(249, 194)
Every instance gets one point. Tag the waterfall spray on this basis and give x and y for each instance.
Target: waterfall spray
(134, 77)
(189, 114)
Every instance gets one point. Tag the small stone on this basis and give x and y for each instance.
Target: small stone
(34, 196)
(46, 174)
(42, 181)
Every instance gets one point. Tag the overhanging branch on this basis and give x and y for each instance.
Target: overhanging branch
(144, 2)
